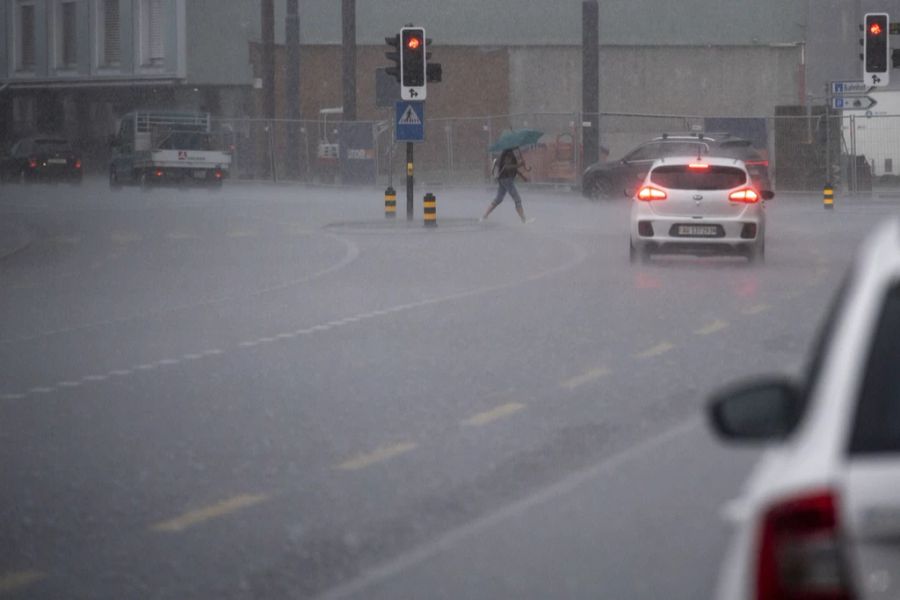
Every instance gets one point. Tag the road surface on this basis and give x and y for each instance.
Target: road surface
(273, 392)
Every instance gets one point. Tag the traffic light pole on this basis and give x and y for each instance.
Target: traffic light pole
(409, 181)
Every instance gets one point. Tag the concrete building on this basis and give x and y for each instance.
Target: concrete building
(74, 65)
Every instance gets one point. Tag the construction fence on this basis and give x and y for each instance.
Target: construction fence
(805, 147)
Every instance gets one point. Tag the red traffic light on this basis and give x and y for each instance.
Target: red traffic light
(875, 29)
(413, 43)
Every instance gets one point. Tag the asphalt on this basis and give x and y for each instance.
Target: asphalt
(272, 392)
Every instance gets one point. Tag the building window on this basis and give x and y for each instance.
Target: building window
(67, 38)
(152, 53)
(25, 47)
(110, 37)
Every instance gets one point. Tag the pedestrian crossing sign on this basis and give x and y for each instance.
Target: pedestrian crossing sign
(410, 121)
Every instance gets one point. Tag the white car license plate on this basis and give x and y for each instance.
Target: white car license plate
(200, 174)
(698, 230)
(56, 161)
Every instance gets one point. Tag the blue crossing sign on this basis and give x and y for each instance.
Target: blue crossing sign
(409, 124)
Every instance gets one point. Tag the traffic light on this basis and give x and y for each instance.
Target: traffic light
(876, 50)
(393, 55)
(413, 63)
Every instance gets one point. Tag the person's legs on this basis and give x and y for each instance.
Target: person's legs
(501, 192)
(511, 187)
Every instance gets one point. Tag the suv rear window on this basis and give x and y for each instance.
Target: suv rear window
(682, 177)
(876, 429)
(52, 145)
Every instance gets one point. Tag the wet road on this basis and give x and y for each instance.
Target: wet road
(270, 392)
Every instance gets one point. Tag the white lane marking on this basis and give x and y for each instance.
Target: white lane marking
(494, 414)
(68, 384)
(285, 336)
(248, 344)
(95, 378)
(756, 309)
(586, 377)
(12, 396)
(166, 362)
(657, 350)
(579, 256)
(453, 538)
(351, 253)
(710, 328)
(121, 372)
(192, 356)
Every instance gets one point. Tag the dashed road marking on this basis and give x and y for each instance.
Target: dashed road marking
(382, 454)
(125, 237)
(586, 377)
(121, 373)
(95, 378)
(488, 416)
(248, 344)
(180, 235)
(42, 390)
(68, 384)
(200, 515)
(192, 356)
(145, 367)
(713, 327)
(167, 362)
(11, 582)
(756, 309)
(241, 233)
(12, 396)
(656, 350)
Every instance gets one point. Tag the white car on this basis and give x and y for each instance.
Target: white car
(698, 205)
(820, 515)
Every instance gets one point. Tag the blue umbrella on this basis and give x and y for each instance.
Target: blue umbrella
(515, 139)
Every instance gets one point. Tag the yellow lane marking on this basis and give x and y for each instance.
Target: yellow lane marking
(10, 582)
(241, 233)
(656, 350)
(380, 455)
(756, 309)
(717, 325)
(587, 377)
(213, 511)
(504, 410)
(124, 237)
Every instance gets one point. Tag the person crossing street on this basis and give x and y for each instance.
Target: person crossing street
(508, 167)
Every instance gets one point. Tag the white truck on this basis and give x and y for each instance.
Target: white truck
(167, 148)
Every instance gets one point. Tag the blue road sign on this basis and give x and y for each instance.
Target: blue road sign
(410, 121)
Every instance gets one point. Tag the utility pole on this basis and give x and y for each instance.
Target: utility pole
(292, 84)
(348, 64)
(590, 82)
(267, 19)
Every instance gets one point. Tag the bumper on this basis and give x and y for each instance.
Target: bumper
(661, 234)
(186, 177)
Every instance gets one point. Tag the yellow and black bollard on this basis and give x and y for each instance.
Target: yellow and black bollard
(828, 196)
(429, 205)
(390, 203)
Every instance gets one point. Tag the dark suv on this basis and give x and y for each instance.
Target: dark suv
(611, 179)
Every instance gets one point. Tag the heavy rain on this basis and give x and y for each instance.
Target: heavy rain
(470, 299)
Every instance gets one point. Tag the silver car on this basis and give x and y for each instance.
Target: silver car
(698, 205)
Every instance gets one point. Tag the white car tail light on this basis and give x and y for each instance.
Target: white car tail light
(747, 195)
(800, 556)
(649, 193)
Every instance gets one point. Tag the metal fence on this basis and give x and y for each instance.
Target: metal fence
(797, 142)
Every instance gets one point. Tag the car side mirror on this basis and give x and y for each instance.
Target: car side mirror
(760, 411)
(767, 194)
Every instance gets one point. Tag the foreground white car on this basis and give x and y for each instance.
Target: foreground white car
(820, 516)
(698, 205)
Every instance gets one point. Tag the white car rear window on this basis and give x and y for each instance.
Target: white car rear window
(683, 177)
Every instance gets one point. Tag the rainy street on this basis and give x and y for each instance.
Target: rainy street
(274, 392)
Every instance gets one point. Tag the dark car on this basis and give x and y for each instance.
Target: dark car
(611, 179)
(41, 158)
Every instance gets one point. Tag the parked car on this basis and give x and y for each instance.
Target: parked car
(691, 205)
(610, 179)
(42, 158)
(820, 515)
